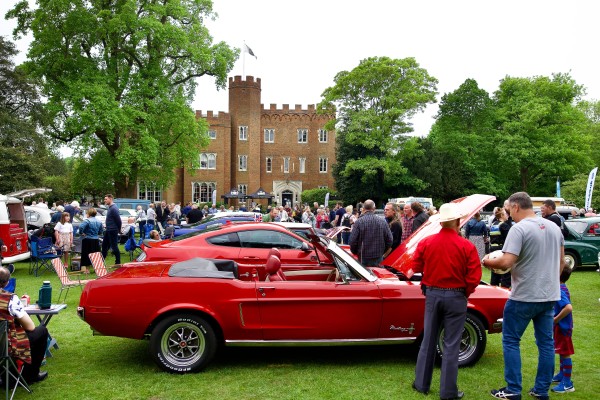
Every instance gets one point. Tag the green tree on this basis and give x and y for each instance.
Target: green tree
(23, 151)
(374, 102)
(121, 76)
(543, 132)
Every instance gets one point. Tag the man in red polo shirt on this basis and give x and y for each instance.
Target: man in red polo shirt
(451, 271)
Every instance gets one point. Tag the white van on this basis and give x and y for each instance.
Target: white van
(13, 230)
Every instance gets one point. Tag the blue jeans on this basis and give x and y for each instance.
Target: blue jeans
(517, 315)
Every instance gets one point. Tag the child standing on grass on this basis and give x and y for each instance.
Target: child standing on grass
(64, 235)
(563, 329)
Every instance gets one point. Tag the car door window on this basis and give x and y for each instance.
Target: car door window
(265, 239)
(228, 240)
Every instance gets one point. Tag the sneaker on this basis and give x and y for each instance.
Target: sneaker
(558, 377)
(502, 393)
(563, 388)
(533, 394)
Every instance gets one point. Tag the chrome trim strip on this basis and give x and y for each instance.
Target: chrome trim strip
(318, 342)
(241, 315)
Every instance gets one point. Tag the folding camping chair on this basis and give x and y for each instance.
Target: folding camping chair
(65, 278)
(42, 254)
(98, 264)
(132, 246)
(11, 372)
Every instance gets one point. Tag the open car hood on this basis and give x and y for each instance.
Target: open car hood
(401, 258)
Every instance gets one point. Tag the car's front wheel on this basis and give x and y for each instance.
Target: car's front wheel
(183, 343)
(571, 260)
(472, 343)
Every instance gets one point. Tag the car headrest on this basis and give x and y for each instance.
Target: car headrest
(273, 265)
(275, 252)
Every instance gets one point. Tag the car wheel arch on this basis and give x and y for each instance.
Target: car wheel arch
(576, 258)
(208, 317)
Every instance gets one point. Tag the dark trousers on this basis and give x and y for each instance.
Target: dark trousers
(503, 280)
(38, 341)
(448, 309)
(111, 239)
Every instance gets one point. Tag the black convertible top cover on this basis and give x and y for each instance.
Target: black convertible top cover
(204, 268)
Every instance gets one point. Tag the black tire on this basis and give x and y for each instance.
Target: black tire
(183, 343)
(472, 344)
(571, 259)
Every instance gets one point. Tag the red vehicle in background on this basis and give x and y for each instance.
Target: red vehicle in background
(13, 230)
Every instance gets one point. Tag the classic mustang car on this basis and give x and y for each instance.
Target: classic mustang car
(206, 303)
(583, 243)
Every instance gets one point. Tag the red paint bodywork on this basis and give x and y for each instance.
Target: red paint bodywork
(306, 308)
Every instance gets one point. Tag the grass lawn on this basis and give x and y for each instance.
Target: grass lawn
(96, 367)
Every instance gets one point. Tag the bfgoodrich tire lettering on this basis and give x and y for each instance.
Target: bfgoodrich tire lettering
(472, 344)
(183, 343)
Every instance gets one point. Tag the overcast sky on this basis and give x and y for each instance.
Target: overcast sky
(300, 46)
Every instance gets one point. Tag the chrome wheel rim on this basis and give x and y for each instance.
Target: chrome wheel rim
(183, 344)
(468, 342)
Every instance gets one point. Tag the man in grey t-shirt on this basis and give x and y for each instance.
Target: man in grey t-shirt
(534, 249)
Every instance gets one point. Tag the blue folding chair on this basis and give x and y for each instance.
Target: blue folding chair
(132, 246)
(42, 254)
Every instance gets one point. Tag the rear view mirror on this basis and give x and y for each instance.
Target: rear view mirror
(306, 247)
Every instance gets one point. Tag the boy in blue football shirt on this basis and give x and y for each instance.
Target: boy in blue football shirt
(563, 330)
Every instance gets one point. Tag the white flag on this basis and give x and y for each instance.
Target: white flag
(589, 189)
(249, 51)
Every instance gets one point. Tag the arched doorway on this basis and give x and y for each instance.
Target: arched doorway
(287, 198)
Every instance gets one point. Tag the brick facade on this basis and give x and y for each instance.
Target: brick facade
(246, 110)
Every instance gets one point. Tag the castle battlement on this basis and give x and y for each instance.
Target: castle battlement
(238, 82)
(218, 117)
(285, 109)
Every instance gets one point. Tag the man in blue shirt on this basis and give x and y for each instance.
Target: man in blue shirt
(113, 227)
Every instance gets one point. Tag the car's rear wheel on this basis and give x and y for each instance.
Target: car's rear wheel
(571, 260)
(183, 343)
(472, 343)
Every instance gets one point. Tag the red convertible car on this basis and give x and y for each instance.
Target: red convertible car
(188, 309)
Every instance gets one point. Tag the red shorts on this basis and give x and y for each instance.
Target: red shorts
(563, 345)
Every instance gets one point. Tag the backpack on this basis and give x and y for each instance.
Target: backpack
(346, 220)
(563, 226)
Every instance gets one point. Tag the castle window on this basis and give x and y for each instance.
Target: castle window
(286, 164)
(302, 165)
(208, 161)
(322, 136)
(302, 135)
(149, 191)
(243, 133)
(269, 135)
(212, 134)
(323, 187)
(242, 163)
(202, 191)
(243, 188)
(269, 164)
(322, 164)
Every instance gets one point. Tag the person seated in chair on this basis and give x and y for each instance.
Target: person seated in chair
(26, 341)
(169, 228)
(154, 235)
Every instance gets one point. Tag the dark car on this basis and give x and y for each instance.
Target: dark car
(210, 222)
(583, 243)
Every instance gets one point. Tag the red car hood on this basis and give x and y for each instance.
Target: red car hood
(401, 258)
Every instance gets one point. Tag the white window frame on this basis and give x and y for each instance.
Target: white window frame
(202, 191)
(212, 134)
(269, 135)
(243, 129)
(286, 165)
(323, 136)
(242, 188)
(149, 191)
(242, 163)
(302, 135)
(269, 164)
(323, 161)
(302, 165)
(211, 160)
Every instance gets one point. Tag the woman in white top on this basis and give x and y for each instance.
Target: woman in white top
(64, 235)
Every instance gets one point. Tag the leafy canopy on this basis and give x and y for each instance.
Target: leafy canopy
(121, 75)
(374, 102)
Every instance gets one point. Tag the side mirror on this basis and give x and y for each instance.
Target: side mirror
(306, 247)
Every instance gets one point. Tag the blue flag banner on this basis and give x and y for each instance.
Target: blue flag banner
(557, 187)
(589, 189)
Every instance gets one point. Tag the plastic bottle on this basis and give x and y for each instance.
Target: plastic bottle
(45, 299)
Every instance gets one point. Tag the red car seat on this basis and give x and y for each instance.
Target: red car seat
(273, 269)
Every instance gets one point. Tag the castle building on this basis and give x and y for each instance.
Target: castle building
(279, 151)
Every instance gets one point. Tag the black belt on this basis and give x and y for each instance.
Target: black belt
(459, 289)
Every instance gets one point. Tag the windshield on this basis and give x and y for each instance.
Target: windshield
(347, 265)
(578, 226)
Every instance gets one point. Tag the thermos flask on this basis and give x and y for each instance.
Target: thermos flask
(45, 299)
